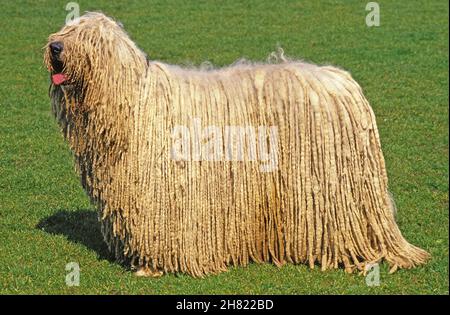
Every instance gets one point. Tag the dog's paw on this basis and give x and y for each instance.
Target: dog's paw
(147, 272)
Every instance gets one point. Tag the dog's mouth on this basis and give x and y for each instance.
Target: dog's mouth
(57, 75)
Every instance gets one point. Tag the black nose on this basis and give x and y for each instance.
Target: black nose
(56, 48)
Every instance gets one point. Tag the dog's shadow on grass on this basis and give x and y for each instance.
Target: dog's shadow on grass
(81, 227)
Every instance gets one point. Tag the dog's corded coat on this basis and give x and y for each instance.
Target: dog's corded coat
(326, 203)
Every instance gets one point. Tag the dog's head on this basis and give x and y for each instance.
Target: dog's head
(92, 47)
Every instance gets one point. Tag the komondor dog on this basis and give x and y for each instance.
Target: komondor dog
(193, 170)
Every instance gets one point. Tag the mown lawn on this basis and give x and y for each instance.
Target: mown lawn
(46, 220)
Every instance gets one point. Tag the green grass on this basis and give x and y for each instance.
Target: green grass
(46, 220)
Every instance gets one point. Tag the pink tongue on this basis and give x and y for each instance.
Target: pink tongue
(58, 78)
